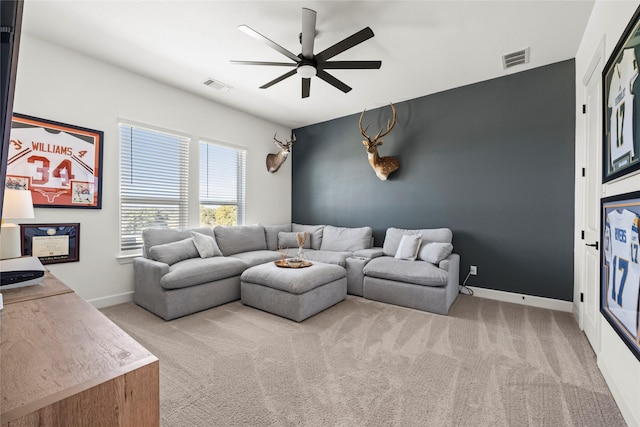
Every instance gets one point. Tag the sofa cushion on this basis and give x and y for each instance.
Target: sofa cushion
(252, 258)
(196, 271)
(327, 257)
(271, 234)
(293, 280)
(315, 233)
(159, 236)
(408, 247)
(290, 240)
(206, 245)
(241, 238)
(171, 253)
(417, 272)
(394, 235)
(345, 239)
(435, 252)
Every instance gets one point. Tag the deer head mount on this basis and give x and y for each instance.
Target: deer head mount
(274, 161)
(382, 166)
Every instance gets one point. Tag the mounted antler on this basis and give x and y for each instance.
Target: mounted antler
(274, 161)
(382, 166)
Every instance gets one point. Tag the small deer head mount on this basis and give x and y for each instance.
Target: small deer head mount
(382, 166)
(274, 161)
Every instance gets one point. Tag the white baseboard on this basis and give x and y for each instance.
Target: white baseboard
(621, 398)
(111, 300)
(540, 302)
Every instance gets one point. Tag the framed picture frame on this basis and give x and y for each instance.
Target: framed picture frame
(60, 164)
(621, 129)
(620, 267)
(51, 243)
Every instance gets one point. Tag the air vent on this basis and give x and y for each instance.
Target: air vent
(516, 58)
(215, 84)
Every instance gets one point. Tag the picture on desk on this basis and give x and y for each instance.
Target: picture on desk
(51, 243)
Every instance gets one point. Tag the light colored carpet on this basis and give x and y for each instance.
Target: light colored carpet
(364, 363)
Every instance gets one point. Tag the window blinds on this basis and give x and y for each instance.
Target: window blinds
(222, 177)
(153, 182)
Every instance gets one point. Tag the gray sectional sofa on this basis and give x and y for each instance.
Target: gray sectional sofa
(186, 271)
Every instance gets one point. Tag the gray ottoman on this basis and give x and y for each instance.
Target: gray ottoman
(294, 293)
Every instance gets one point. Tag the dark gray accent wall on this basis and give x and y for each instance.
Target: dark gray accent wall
(493, 161)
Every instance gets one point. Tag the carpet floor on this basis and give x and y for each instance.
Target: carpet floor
(364, 363)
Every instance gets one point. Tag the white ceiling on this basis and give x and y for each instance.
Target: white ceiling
(425, 46)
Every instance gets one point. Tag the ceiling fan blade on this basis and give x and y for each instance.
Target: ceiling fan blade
(306, 87)
(333, 81)
(256, 35)
(348, 43)
(279, 79)
(279, 64)
(308, 32)
(353, 65)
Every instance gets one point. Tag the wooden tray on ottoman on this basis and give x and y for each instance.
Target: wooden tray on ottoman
(287, 263)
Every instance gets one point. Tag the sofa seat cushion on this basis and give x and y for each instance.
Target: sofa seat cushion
(252, 258)
(293, 280)
(415, 272)
(196, 271)
(327, 257)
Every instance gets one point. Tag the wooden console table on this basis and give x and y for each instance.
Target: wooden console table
(63, 363)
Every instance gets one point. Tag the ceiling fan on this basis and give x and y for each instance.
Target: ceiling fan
(306, 63)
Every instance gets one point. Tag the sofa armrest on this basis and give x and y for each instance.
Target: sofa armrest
(370, 253)
(452, 265)
(147, 272)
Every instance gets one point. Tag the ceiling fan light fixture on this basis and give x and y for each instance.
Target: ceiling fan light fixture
(306, 71)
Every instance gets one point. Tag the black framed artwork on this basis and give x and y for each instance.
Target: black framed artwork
(60, 164)
(51, 243)
(621, 109)
(620, 267)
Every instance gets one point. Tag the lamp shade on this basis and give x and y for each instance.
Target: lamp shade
(17, 204)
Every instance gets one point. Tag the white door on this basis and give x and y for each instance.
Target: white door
(590, 258)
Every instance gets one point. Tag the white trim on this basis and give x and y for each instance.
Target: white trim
(541, 302)
(111, 300)
(621, 398)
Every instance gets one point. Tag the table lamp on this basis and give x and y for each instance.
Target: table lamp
(17, 204)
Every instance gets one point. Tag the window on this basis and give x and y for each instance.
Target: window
(222, 184)
(153, 182)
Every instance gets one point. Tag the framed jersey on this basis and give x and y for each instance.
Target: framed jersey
(60, 164)
(621, 87)
(620, 267)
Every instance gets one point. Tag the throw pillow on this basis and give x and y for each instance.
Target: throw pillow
(435, 252)
(206, 245)
(173, 252)
(289, 240)
(409, 246)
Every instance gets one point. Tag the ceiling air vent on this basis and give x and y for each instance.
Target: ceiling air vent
(215, 84)
(516, 58)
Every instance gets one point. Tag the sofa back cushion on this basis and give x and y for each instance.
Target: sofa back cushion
(346, 239)
(315, 233)
(171, 253)
(394, 235)
(290, 240)
(241, 238)
(271, 234)
(160, 236)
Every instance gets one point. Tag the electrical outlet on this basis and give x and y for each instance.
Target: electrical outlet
(473, 270)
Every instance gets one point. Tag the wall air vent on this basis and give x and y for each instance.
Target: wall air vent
(217, 85)
(516, 58)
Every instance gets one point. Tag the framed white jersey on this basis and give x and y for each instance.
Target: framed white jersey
(621, 114)
(620, 266)
(60, 164)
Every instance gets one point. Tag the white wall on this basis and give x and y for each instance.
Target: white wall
(619, 366)
(57, 84)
